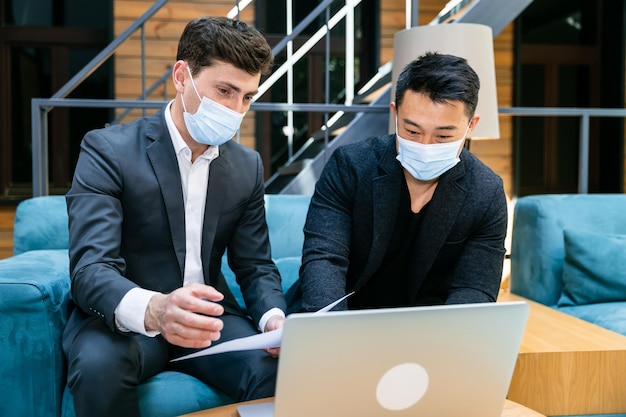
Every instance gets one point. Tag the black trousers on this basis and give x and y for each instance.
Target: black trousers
(105, 368)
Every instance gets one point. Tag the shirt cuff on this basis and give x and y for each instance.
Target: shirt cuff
(265, 318)
(130, 313)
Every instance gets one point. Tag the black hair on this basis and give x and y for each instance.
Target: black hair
(442, 78)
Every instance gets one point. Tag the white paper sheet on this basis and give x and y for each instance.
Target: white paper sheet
(258, 341)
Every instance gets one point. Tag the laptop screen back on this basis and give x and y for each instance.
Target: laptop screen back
(418, 361)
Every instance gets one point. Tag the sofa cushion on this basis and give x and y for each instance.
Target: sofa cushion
(594, 268)
(286, 215)
(288, 268)
(611, 315)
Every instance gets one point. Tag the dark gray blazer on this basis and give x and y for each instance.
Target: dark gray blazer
(351, 220)
(126, 221)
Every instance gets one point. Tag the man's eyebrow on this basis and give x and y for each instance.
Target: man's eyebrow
(237, 89)
(449, 127)
(411, 122)
(417, 125)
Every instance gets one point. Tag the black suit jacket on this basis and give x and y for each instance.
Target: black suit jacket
(126, 221)
(351, 221)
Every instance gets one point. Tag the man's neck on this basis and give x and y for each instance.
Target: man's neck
(420, 192)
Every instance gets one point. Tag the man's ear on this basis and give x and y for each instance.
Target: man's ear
(179, 74)
(472, 124)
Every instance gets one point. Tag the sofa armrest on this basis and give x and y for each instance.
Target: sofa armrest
(41, 223)
(34, 296)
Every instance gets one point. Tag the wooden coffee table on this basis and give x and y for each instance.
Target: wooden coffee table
(567, 366)
(510, 409)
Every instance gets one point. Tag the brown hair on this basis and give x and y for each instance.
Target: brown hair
(207, 39)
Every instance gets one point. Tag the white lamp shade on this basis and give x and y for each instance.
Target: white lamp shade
(473, 42)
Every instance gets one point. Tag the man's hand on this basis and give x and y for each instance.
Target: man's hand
(186, 317)
(275, 322)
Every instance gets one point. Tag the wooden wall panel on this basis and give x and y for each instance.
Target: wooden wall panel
(7, 218)
(155, 29)
(126, 66)
(173, 10)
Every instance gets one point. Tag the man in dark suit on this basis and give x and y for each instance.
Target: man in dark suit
(153, 206)
(411, 218)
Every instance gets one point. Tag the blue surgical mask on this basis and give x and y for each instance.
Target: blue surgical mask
(427, 162)
(213, 123)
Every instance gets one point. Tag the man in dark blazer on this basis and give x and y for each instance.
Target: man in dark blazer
(411, 218)
(153, 206)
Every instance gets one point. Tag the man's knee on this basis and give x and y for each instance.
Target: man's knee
(258, 377)
(99, 357)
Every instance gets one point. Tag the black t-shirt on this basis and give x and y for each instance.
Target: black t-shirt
(389, 286)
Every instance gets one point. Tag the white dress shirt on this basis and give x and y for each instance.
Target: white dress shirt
(130, 313)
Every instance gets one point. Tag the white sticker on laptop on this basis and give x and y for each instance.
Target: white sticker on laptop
(402, 386)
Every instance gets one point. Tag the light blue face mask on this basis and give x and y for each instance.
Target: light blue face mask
(427, 162)
(213, 123)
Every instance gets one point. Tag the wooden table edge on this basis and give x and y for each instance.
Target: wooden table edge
(509, 409)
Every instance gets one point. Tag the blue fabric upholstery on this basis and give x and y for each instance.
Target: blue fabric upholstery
(611, 315)
(538, 253)
(168, 394)
(41, 223)
(594, 270)
(285, 216)
(34, 296)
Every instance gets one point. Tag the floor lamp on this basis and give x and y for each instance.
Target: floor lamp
(473, 42)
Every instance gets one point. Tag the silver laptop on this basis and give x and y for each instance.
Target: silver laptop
(420, 361)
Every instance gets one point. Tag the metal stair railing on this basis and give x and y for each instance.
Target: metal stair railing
(40, 106)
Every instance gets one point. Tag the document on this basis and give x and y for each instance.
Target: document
(258, 341)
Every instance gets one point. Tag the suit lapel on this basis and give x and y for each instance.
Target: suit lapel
(219, 177)
(442, 212)
(163, 159)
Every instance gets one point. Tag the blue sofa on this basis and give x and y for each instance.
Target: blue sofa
(568, 252)
(34, 295)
